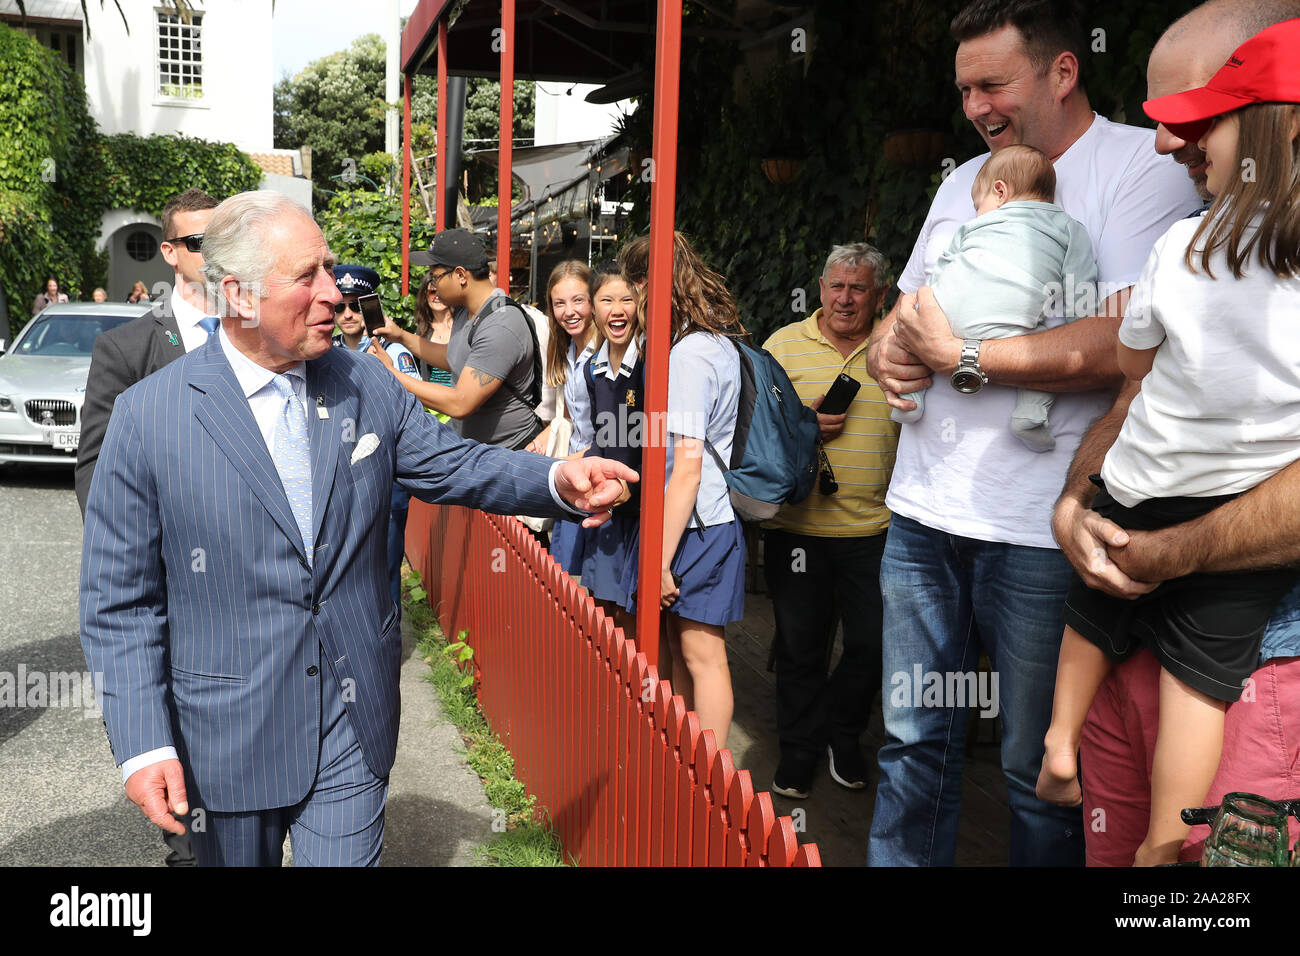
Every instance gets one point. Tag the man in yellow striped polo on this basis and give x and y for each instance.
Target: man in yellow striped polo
(823, 555)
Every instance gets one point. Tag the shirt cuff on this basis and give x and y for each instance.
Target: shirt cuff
(550, 481)
(145, 759)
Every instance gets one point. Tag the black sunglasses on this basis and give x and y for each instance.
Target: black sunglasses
(341, 307)
(193, 243)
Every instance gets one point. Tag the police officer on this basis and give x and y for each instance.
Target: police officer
(353, 282)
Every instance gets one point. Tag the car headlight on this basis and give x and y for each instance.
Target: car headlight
(6, 404)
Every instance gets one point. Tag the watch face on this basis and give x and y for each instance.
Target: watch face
(967, 381)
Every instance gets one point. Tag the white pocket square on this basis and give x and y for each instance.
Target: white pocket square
(366, 445)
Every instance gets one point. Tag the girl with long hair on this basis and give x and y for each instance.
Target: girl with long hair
(702, 580)
(573, 340)
(432, 323)
(1209, 331)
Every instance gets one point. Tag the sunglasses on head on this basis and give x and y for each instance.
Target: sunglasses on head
(193, 243)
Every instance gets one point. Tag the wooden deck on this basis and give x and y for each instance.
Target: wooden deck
(836, 819)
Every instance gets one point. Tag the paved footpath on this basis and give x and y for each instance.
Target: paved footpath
(62, 801)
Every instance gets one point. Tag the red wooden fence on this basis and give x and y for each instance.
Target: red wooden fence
(623, 768)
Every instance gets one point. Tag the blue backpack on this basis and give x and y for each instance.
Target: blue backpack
(774, 453)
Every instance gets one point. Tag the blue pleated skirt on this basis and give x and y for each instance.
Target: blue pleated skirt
(568, 539)
(604, 557)
(712, 568)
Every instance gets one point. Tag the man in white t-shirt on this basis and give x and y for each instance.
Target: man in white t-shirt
(970, 560)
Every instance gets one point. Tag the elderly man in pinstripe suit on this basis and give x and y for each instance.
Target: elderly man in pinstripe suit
(233, 587)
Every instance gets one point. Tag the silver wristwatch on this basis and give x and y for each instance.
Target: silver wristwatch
(968, 378)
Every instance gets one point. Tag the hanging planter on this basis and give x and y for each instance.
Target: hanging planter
(781, 171)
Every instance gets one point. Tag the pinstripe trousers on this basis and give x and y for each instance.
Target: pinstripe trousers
(339, 823)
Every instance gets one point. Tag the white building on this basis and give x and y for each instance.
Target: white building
(210, 76)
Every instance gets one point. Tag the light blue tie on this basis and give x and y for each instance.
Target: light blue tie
(209, 323)
(293, 457)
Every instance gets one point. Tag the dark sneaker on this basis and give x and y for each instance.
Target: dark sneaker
(848, 768)
(793, 778)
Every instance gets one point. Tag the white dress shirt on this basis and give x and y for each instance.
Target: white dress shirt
(187, 320)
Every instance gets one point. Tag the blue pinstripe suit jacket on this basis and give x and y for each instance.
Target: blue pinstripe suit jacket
(198, 605)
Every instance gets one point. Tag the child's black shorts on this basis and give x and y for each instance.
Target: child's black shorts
(1205, 629)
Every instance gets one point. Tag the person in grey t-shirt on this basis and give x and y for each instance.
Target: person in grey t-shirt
(492, 354)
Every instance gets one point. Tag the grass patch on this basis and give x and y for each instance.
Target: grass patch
(526, 840)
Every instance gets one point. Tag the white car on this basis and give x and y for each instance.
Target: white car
(43, 380)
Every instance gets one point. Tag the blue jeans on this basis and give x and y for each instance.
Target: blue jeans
(944, 596)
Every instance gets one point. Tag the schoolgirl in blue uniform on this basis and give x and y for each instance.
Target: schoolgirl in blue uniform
(615, 384)
(703, 542)
(573, 341)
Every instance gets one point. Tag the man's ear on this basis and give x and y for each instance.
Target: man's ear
(1065, 73)
(169, 254)
(239, 300)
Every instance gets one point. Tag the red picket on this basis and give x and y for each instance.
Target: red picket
(688, 736)
(706, 756)
(626, 781)
(759, 824)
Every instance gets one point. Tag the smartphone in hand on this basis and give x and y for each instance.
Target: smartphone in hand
(372, 313)
(840, 396)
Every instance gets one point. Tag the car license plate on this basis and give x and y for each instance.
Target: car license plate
(63, 440)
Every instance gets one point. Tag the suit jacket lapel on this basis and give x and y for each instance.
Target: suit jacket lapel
(328, 390)
(225, 414)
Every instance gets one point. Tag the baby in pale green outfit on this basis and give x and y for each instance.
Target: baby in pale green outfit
(1003, 268)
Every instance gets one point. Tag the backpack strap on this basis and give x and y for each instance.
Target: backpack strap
(535, 398)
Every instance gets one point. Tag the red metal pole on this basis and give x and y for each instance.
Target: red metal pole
(505, 152)
(406, 185)
(440, 214)
(663, 195)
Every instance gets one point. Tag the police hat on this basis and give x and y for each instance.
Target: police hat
(356, 280)
(452, 248)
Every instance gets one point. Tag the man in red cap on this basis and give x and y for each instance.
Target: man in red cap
(1260, 529)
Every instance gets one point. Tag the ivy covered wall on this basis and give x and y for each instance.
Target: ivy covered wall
(830, 99)
(58, 176)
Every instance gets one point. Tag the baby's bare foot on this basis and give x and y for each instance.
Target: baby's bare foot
(1058, 780)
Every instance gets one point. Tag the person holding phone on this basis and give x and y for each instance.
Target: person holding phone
(822, 555)
(359, 286)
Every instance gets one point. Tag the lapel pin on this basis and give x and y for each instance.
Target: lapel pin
(321, 411)
(171, 337)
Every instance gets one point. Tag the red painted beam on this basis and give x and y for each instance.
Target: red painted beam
(416, 35)
(663, 196)
(506, 148)
(440, 214)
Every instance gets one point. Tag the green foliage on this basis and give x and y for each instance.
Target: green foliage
(336, 106)
(364, 227)
(528, 838)
(145, 172)
(58, 176)
(46, 175)
(874, 69)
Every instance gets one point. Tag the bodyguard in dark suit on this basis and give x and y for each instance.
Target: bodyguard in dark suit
(234, 587)
(124, 355)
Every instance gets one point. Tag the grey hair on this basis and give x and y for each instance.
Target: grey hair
(855, 255)
(234, 243)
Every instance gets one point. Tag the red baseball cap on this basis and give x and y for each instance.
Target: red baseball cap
(1261, 70)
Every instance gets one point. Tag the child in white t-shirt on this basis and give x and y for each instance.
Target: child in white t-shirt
(1210, 331)
(1004, 267)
